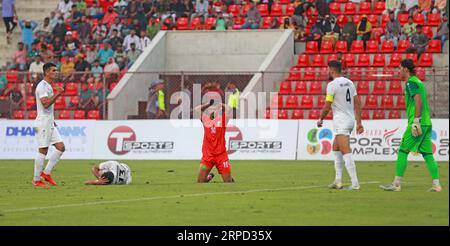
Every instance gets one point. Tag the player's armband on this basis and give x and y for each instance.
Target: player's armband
(329, 98)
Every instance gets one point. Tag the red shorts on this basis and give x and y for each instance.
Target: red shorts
(221, 162)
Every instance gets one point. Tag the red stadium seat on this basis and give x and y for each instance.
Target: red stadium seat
(412, 56)
(379, 60)
(300, 87)
(395, 59)
(341, 46)
(79, 115)
(297, 114)
(285, 87)
(357, 46)
(401, 104)
(210, 22)
(395, 88)
(283, 114)
(373, 19)
(363, 60)
(342, 20)
(326, 47)
(18, 115)
(195, 22)
(303, 60)
(362, 88)
(292, 102)
(428, 30)
(309, 74)
(290, 9)
(320, 101)
(93, 115)
(331, 57)
(276, 102)
(32, 114)
(419, 19)
(60, 103)
(365, 115)
(64, 115)
(339, 1)
(364, 8)
(322, 74)
(71, 89)
(378, 115)
(357, 19)
(350, 8)
(306, 102)
(403, 45)
(239, 20)
(277, 10)
(420, 73)
(426, 60)
(245, 9)
(372, 46)
(434, 46)
(335, 8)
(390, 73)
(349, 59)
(377, 33)
(387, 102)
(234, 9)
(387, 46)
(315, 88)
(73, 102)
(30, 102)
(379, 7)
(12, 76)
(379, 88)
(312, 47)
(294, 73)
(384, 20)
(266, 22)
(370, 73)
(434, 19)
(318, 61)
(313, 114)
(371, 102)
(182, 23)
(263, 9)
(403, 18)
(394, 114)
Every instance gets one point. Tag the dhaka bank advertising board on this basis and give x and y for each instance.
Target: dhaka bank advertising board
(379, 142)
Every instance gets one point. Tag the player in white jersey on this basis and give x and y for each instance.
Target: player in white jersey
(46, 132)
(110, 172)
(342, 98)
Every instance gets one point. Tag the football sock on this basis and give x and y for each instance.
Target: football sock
(38, 166)
(54, 158)
(338, 166)
(397, 181)
(401, 164)
(351, 169)
(432, 166)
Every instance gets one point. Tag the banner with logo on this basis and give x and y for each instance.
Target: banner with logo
(182, 139)
(379, 142)
(18, 139)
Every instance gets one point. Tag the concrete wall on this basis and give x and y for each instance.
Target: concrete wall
(133, 87)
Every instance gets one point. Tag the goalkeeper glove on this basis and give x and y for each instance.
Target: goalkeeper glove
(416, 130)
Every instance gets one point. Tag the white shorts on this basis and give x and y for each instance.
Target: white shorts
(47, 134)
(343, 128)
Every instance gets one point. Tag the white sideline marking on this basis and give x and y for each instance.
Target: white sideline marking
(169, 197)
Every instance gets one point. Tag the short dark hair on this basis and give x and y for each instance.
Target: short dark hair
(109, 176)
(336, 65)
(47, 66)
(409, 64)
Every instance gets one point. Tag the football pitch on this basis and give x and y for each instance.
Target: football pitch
(265, 193)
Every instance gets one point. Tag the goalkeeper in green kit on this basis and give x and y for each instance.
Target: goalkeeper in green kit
(417, 137)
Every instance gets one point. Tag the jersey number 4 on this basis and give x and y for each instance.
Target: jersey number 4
(348, 97)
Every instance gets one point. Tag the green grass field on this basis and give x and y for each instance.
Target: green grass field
(266, 193)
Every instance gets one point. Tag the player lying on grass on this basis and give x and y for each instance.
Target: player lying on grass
(214, 117)
(110, 172)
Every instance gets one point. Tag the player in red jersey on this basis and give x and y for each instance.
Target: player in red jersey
(214, 117)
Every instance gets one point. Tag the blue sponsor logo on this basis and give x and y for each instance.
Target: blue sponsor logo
(14, 131)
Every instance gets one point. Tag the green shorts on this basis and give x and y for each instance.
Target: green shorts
(421, 144)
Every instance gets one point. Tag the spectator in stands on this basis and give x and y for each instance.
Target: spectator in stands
(201, 9)
(81, 5)
(188, 8)
(153, 28)
(101, 93)
(95, 12)
(76, 18)
(64, 8)
(116, 26)
(392, 5)
(411, 5)
(300, 17)
(97, 70)
(110, 17)
(149, 8)
(393, 30)
(425, 6)
(16, 97)
(331, 30)
(156, 100)
(53, 20)
(323, 7)
(84, 30)
(253, 17)
(120, 57)
(32, 53)
(58, 46)
(364, 30)
(100, 32)
(131, 38)
(81, 64)
(419, 42)
(403, 9)
(440, 5)
(349, 32)
(36, 69)
(115, 40)
(409, 28)
(46, 54)
(131, 10)
(141, 19)
(91, 54)
(3, 83)
(442, 32)
(60, 29)
(316, 32)
(67, 69)
(177, 7)
(20, 58)
(144, 40)
(275, 24)
(44, 30)
(8, 13)
(133, 54)
(221, 24)
(71, 45)
(105, 53)
(85, 97)
(169, 23)
(287, 24)
(111, 70)
(27, 27)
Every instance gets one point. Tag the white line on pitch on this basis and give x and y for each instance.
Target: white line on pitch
(169, 197)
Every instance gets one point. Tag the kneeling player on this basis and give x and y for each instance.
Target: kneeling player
(214, 152)
(110, 172)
